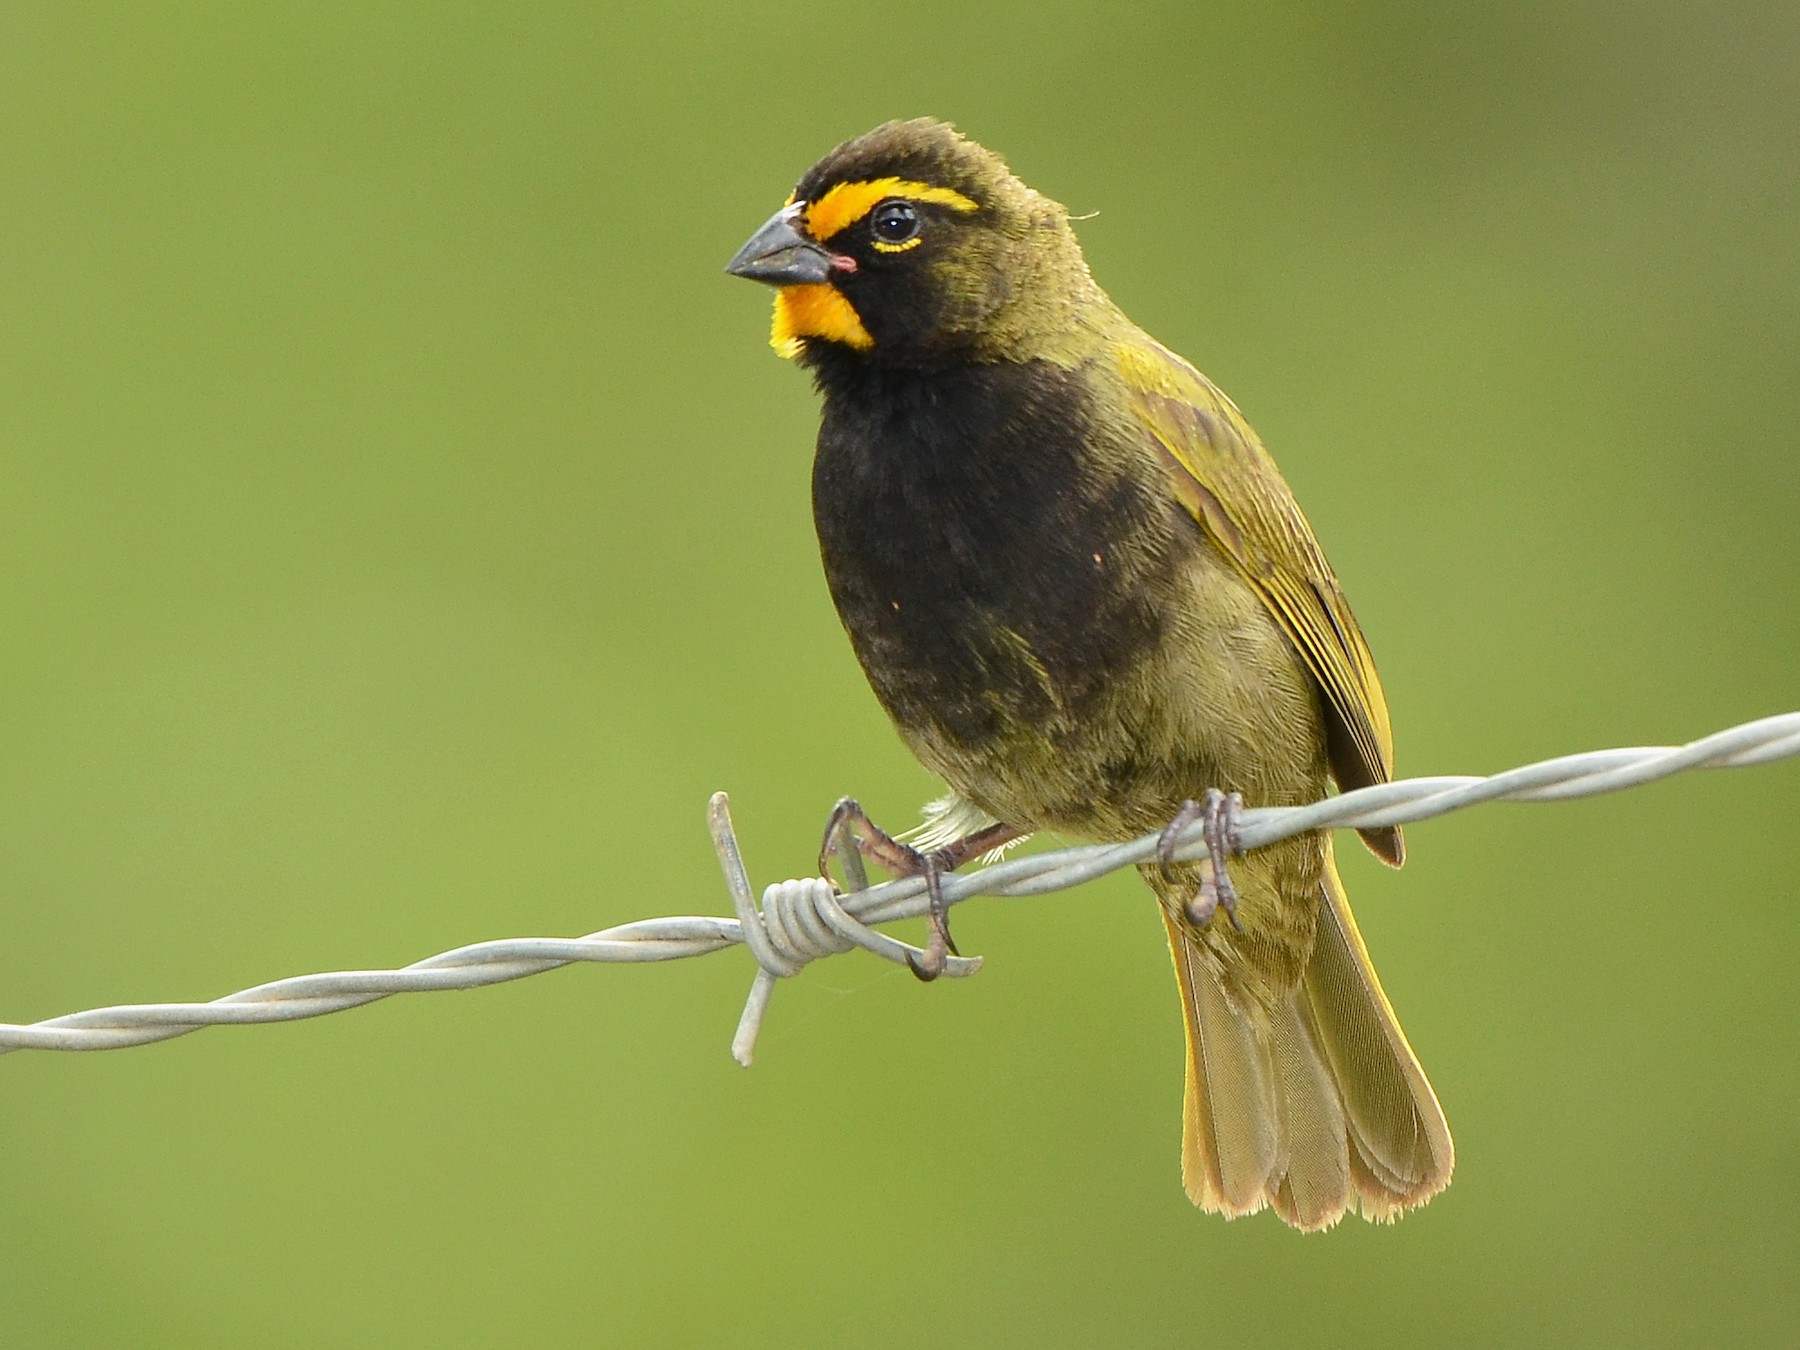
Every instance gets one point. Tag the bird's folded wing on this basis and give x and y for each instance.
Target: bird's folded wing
(1221, 473)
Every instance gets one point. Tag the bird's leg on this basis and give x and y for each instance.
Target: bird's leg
(1219, 814)
(903, 860)
(954, 855)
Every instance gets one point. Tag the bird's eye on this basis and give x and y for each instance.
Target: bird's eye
(894, 222)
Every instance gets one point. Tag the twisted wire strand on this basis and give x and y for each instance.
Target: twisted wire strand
(801, 921)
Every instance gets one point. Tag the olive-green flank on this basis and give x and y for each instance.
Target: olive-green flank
(1081, 589)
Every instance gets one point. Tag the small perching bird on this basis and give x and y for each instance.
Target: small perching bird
(1081, 589)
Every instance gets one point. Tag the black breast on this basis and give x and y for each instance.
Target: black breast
(988, 565)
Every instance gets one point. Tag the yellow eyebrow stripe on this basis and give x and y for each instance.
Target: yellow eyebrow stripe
(844, 205)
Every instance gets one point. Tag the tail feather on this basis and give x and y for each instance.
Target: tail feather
(1321, 1109)
(1310, 1187)
(1232, 1128)
(1396, 1124)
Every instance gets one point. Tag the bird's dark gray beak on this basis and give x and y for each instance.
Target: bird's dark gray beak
(780, 255)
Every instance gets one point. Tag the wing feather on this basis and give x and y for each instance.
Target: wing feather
(1220, 471)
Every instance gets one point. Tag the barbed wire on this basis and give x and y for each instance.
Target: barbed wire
(803, 920)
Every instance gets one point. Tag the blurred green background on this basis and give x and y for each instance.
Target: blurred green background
(404, 528)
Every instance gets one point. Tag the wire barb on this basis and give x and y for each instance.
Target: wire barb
(801, 921)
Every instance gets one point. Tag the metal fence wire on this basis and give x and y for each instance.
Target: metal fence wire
(803, 920)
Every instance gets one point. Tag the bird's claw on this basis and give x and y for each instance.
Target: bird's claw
(902, 860)
(939, 946)
(1220, 816)
(1185, 815)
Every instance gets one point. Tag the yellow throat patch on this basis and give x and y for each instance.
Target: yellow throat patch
(815, 311)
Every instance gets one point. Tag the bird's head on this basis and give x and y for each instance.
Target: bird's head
(912, 245)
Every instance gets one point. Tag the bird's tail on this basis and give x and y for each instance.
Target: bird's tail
(1322, 1110)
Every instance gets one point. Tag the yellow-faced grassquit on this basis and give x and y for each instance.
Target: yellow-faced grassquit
(1081, 589)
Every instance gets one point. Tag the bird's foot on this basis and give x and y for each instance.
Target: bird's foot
(1220, 815)
(849, 820)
